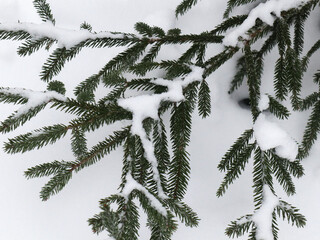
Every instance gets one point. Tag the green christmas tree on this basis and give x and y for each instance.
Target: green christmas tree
(155, 176)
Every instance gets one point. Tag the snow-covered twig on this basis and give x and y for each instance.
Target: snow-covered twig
(262, 218)
(270, 135)
(65, 37)
(132, 184)
(35, 98)
(263, 12)
(146, 106)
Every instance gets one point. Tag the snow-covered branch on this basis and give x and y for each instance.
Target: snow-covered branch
(262, 218)
(270, 135)
(146, 106)
(263, 12)
(132, 184)
(35, 98)
(65, 37)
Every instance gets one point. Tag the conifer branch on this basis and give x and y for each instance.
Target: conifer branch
(44, 10)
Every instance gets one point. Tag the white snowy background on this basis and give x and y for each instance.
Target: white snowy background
(64, 216)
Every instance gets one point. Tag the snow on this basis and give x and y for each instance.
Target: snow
(263, 216)
(263, 12)
(146, 106)
(132, 184)
(65, 37)
(263, 102)
(35, 98)
(65, 215)
(270, 135)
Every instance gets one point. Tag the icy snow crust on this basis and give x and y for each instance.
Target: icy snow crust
(65, 37)
(263, 12)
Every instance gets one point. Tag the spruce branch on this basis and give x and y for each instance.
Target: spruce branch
(235, 170)
(287, 211)
(44, 10)
(239, 227)
(235, 150)
(180, 130)
(38, 139)
(103, 148)
(184, 6)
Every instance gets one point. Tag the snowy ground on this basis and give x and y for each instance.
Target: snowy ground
(24, 216)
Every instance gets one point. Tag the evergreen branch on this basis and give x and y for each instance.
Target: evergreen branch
(91, 122)
(229, 23)
(14, 35)
(190, 53)
(13, 121)
(233, 153)
(217, 61)
(238, 78)
(32, 45)
(162, 230)
(161, 152)
(152, 53)
(239, 227)
(283, 35)
(125, 224)
(235, 3)
(183, 211)
(36, 140)
(268, 44)
(78, 143)
(287, 211)
(144, 29)
(254, 81)
(262, 175)
(298, 40)
(142, 68)
(47, 169)
(277, 109)
(235, 170)
(73, 106)
(274, 226)
(55, 184)
(56, 62)
(101, 149)
(281, 79)
(311, 132)
(7, 97)
(128, 221)
(294, 72)
(184, 6)
(306, 58)
(44, 10)
(105, 220)
(119, 63)
(283, 176)
(180, 130)
(204, 102)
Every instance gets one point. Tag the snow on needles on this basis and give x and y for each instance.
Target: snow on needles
(35, 98)
(146, 106)
(262, 218)
(65, 37)
(264, 102)
(132, 184)
(270, 135)
(263, 12)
